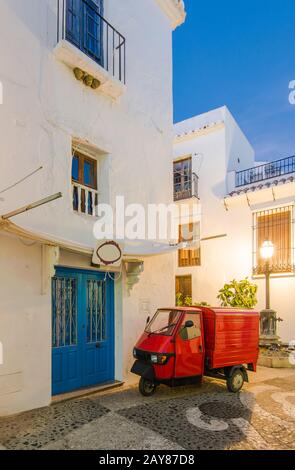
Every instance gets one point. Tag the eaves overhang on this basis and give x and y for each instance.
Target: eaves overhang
(136, 248)
(278, 192)
(175, 10)
(250, 189)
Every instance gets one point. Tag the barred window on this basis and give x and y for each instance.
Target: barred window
(275, 225)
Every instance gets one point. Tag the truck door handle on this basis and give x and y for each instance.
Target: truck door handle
(200, 348)
(97, 345)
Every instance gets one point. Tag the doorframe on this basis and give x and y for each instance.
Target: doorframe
(78, 270)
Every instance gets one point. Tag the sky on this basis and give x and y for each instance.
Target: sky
(239, 53)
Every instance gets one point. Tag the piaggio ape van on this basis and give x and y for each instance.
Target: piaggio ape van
(182, 344)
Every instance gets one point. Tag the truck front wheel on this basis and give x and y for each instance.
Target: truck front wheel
(235, 381)
(146, 387)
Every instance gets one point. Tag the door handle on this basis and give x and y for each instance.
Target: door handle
(97, 345)
(200, 348)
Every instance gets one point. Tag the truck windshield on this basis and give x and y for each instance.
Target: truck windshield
(163, 322)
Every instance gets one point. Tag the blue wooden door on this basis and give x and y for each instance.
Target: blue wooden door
(82, 330)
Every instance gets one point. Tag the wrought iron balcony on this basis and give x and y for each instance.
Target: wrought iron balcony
(81, 23)
(270, 170)
(186, 186)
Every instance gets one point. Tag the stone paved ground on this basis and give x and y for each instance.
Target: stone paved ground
(262, 416)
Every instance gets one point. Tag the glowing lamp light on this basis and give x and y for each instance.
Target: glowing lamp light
(267, 250)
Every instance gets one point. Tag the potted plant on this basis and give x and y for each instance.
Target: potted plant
(240, 294)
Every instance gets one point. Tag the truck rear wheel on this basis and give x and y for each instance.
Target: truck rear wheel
(146, 387)
(235, 381)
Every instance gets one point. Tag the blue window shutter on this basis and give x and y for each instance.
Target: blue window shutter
(73, 15)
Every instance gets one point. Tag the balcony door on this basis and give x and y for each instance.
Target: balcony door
(84, 26)
(182, 179)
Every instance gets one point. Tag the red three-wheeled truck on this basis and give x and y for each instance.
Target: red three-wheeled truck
(182, 344)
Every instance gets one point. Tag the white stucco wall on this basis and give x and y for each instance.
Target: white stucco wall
(215, 153)
(44, 108)
(25, 328)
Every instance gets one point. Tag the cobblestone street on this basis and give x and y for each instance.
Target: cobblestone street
(262, 416)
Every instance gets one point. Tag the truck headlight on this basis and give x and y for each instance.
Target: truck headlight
(154, 358)
(134, 353)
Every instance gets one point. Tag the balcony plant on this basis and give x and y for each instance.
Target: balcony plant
(241, 294)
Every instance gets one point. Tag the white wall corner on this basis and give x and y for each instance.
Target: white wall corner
(175, 10)
(50, 258)
(231, 181)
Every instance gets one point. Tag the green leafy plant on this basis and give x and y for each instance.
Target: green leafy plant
(188, 301)
(183, 302)
(179, 299)
(241, 294)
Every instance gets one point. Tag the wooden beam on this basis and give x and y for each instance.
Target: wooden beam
(31, 206)
(214, 237)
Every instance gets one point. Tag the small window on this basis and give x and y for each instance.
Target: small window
(84, 170)
(183, 285)
(182, 171)
(188, 256)
(275, 225)
(84, 181)
(193, 332)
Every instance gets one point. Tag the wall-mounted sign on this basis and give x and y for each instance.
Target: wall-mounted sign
(107, 253)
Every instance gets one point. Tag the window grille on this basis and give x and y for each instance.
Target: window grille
(277, 226)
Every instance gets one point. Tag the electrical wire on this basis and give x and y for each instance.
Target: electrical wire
(114, 278)
(21, 180)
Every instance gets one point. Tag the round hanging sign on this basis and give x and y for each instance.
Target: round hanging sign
(108, 253)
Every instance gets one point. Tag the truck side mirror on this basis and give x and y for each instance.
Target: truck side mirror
(148, 320)
(189, 324)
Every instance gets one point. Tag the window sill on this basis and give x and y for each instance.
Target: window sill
(274, 275)
(71, 56)
(191, 266)
(84, 215)
(188, 198)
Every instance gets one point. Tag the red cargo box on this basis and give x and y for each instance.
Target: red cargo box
(231, 337)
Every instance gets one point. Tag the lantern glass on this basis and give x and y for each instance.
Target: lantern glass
(267, 250)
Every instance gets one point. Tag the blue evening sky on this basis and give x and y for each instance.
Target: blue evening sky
(239, 53)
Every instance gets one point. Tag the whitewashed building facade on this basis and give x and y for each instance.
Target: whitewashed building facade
(87, 111)
(240, 204)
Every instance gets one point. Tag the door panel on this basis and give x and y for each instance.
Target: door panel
(189, 348)
(66, 370)
(99, 331)
(82, 330)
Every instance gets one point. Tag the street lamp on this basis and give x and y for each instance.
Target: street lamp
(267, 251)
(268, 317)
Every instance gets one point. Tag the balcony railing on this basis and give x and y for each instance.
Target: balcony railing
(270, 170)
(81, 23)
(185, 186)
(85, 199)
